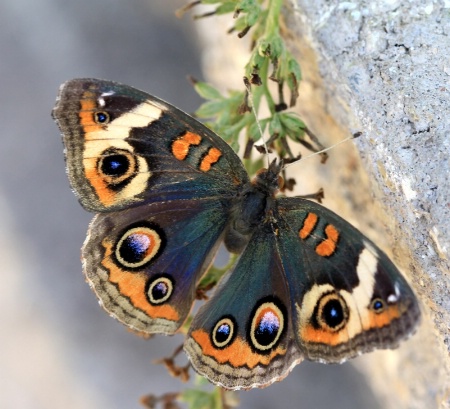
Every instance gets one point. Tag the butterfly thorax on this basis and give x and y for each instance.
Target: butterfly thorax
(252, 207)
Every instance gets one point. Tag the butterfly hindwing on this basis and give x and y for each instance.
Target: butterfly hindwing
(243, 337)
(144, 263)
(348, 297)
(125, 148)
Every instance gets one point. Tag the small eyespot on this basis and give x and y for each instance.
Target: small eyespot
(160, 289)
(101, 117)
(117, 165)
(378, 305)
(267, 324)
(224, 332)
(332, 312)
(138, 246)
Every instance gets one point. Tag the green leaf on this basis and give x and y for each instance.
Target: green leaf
(275, 126)
(255, 63)
(276, 47)
(294, 68)
(291, 122)
(294, 126)
(207, 91)
(198, 399)
(240, 23)
(226, 7)
(211, 108)
(252, 16)
(247, 6)
(211, 1)
(253, 130)
(264, 47)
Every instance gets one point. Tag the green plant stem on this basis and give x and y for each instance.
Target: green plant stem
(273, 17)
(263, 89)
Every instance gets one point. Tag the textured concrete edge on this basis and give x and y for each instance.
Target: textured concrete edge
(379, 74)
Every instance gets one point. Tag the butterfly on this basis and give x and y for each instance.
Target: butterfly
(167, 192)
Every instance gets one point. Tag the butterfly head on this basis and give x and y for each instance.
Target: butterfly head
(269, 180)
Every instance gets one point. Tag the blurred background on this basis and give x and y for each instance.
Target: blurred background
(58, 349)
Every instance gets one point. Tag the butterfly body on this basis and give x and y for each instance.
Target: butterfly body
(167, 192)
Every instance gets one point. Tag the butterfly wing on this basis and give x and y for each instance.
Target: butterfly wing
(347, 296)
(164, 184)
(308, 285)
(144, 263)
(243, 336)
(125, 148)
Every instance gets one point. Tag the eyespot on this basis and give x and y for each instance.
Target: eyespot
(117, 165)
(378, 305)
(160, 289)
(101, 117)
(267, 324)
(332, 312)
(138, 246)
(224, 332)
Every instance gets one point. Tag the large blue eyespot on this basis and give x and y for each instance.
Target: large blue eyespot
(117, 166)
(267, 324)
(138, 245)
(332, 312)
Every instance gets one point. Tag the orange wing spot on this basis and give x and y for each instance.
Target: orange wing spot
(88, 107)
(374, 321)
(180, 146)
(132, 285)
(105, 195)
(319, 336)
(308, 225)
(237, 354)
(328, 246)
(210, 159)
(382, 319)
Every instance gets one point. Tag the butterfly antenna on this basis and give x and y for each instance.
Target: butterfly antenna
(248, 86)
(349, 138)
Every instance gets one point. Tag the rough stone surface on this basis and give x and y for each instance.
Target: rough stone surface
(383, 69)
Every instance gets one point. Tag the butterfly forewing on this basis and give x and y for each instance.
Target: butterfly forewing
(126, 148)
(348, 298)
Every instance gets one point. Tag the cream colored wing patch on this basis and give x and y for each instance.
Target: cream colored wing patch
(333, 317)
(115, 172)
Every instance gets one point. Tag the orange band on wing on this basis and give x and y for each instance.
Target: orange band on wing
(308, 225)
(88, 107)
(237, 354)
(211, 157)
(374, 320)
(132, 285)
(106, 196)
(327, 247)
(180, 146)
(381, 319)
